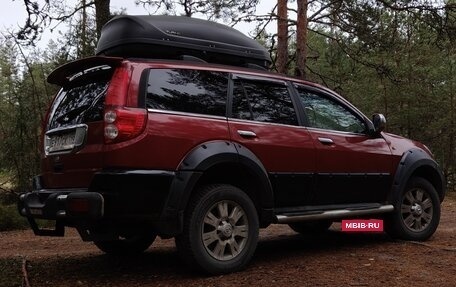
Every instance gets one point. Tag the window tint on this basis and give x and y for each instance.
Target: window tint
(81, 101)
(192, 91)
(325, 113)
(263, 101)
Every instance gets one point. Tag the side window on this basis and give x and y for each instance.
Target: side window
(263, 101)
(325, 113)
(191, 91)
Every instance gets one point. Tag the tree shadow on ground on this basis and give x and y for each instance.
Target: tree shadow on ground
(313, 244)
(162, 265)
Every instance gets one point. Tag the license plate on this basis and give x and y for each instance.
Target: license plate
(65, 140)
(60, 142)
(36, 211)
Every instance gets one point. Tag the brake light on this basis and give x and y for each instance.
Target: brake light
(118, 88)
(123, 123)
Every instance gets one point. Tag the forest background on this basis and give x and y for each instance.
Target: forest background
(385, 56)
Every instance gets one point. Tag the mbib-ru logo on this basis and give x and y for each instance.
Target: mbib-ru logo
(361, 225)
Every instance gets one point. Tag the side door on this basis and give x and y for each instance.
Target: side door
(352, 165)
(264, 120)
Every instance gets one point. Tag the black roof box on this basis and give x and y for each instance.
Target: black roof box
(178, 37)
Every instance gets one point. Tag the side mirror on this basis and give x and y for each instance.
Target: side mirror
(379, 122)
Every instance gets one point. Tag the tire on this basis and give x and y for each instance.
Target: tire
(133, 244)
(311, 227)
(220, 231)
(416, 212)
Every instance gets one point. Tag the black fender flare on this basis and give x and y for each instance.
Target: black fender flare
(193, 166)
(411, 161)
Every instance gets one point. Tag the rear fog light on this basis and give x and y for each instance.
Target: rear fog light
(78, 205)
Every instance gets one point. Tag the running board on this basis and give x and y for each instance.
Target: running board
(332, 214)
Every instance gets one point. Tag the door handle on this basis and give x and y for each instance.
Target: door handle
(326, 141)
(247, 134)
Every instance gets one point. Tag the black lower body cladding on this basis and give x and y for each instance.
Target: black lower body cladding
(174, 37)
(133, 193)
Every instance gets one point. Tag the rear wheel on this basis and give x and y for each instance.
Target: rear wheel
(311, 227)
(416, 211)
(128, 245)
(220, 230)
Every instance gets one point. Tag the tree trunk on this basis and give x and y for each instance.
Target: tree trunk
(83, 47)
(282, 37)
(102, 13)
(301, 39)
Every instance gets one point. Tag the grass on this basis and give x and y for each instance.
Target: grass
(10, 272)
(10, 218)
(9, 215)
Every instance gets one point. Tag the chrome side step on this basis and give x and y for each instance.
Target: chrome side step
(332, 214)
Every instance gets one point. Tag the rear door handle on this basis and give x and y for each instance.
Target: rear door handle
(247, 134)
(326, 141)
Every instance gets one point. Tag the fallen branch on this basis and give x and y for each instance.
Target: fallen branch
(25, 280)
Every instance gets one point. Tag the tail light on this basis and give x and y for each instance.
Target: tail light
(121, 123)
(118, 88)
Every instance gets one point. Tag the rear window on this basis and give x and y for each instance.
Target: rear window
(81, 101)
(191, 91)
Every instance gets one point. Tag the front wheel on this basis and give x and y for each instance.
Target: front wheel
(220, 230)
(416, 211)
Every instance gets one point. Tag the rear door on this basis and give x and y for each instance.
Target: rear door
(73, 140)
(352, 166)
(263, 119)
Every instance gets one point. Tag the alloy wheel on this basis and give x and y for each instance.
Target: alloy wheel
(225, 230)
(417, 209)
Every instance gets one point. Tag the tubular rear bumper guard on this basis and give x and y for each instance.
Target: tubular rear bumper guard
(60, 205)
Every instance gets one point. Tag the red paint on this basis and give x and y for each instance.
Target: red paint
(167, 138)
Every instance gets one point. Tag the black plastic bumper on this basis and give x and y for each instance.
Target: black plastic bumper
(61, 206)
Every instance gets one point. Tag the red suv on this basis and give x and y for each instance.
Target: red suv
(206, 153)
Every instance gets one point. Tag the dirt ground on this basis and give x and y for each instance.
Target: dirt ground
(283, 258)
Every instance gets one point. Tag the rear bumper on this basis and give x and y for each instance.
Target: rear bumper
(63, 206)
